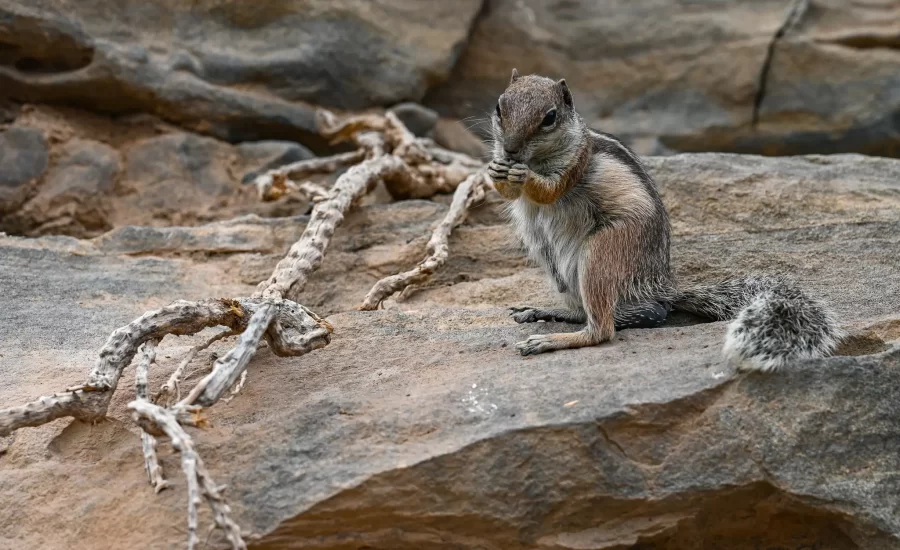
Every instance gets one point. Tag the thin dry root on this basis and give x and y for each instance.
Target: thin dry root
(199, 483)
(339, 130)
(275, 183)
(237, 388)
(148, 442)
(173, 384)
(307, 190)
(314, 191)
(228, 369)
(307, 254)
(90, 401)
(409, 167)
(468, 193)
(290, 330)
(428, 169)
(296, 331)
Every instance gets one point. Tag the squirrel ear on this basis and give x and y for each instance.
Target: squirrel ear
(567, 95)
(515, 75)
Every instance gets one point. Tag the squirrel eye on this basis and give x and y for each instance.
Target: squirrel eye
(549, 119)
(498, 111)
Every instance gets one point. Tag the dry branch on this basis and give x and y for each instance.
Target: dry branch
(148, 442)
(314, 191)
(198, 480)
(427, 169)
(306, 255)
(228, 369)
(387, 152)
(90, 401)
(174, 381)
(469, 192)
(237, 388)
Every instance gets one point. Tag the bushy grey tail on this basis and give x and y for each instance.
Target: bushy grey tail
(773, 322)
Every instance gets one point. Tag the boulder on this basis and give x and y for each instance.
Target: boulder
(267, 155)
(420, 427)
(456, 136)
(73, 198)
(23, 156)
(235, 70)
(689, 76)
(418, 119)
(87, 174)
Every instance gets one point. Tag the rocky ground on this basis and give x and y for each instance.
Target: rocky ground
(420, 427)
(129, 132)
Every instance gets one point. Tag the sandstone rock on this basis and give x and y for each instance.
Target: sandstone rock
(73, 198)
(23, 156)
(8, 111)
(419, 427)
(236, 70)
(108, 172)
(456, 136)
(420, 120)
(686, 75)
(266, 155)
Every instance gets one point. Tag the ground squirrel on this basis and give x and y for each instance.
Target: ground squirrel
(588, 212)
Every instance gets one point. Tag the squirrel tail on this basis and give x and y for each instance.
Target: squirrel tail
(773, 322)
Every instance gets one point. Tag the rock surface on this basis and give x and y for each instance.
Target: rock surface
(236, 70)
(81, 174)
(420, 427)
(666, 76)
(685, 76)
(418, 119)
(23, 154)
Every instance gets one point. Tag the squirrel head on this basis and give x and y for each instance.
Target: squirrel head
(532, 116)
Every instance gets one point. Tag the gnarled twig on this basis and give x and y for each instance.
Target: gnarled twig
(306, 254)
(148, 442)
(428, 169)
(198, 480)
(173, 384)
(469, 192)
(229, 368)
(409, 167)
(90, 401)
(275, 183)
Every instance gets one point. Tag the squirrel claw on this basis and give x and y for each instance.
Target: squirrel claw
(524, 314)
(518, 173)
(498, 171)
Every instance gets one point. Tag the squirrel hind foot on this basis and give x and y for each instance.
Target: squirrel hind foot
(777, 329)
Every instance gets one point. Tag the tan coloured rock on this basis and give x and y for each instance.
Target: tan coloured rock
(238, 70)
(420, 427)
(686, 76)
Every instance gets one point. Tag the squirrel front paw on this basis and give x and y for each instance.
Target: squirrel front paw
(517, 173)
(535, 344)
(498, 170)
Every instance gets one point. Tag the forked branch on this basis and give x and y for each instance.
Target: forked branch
(386, 152)
(148, 442)
(199, 483)
(468, 193)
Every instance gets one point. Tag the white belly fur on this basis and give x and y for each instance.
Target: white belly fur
(564, 227)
